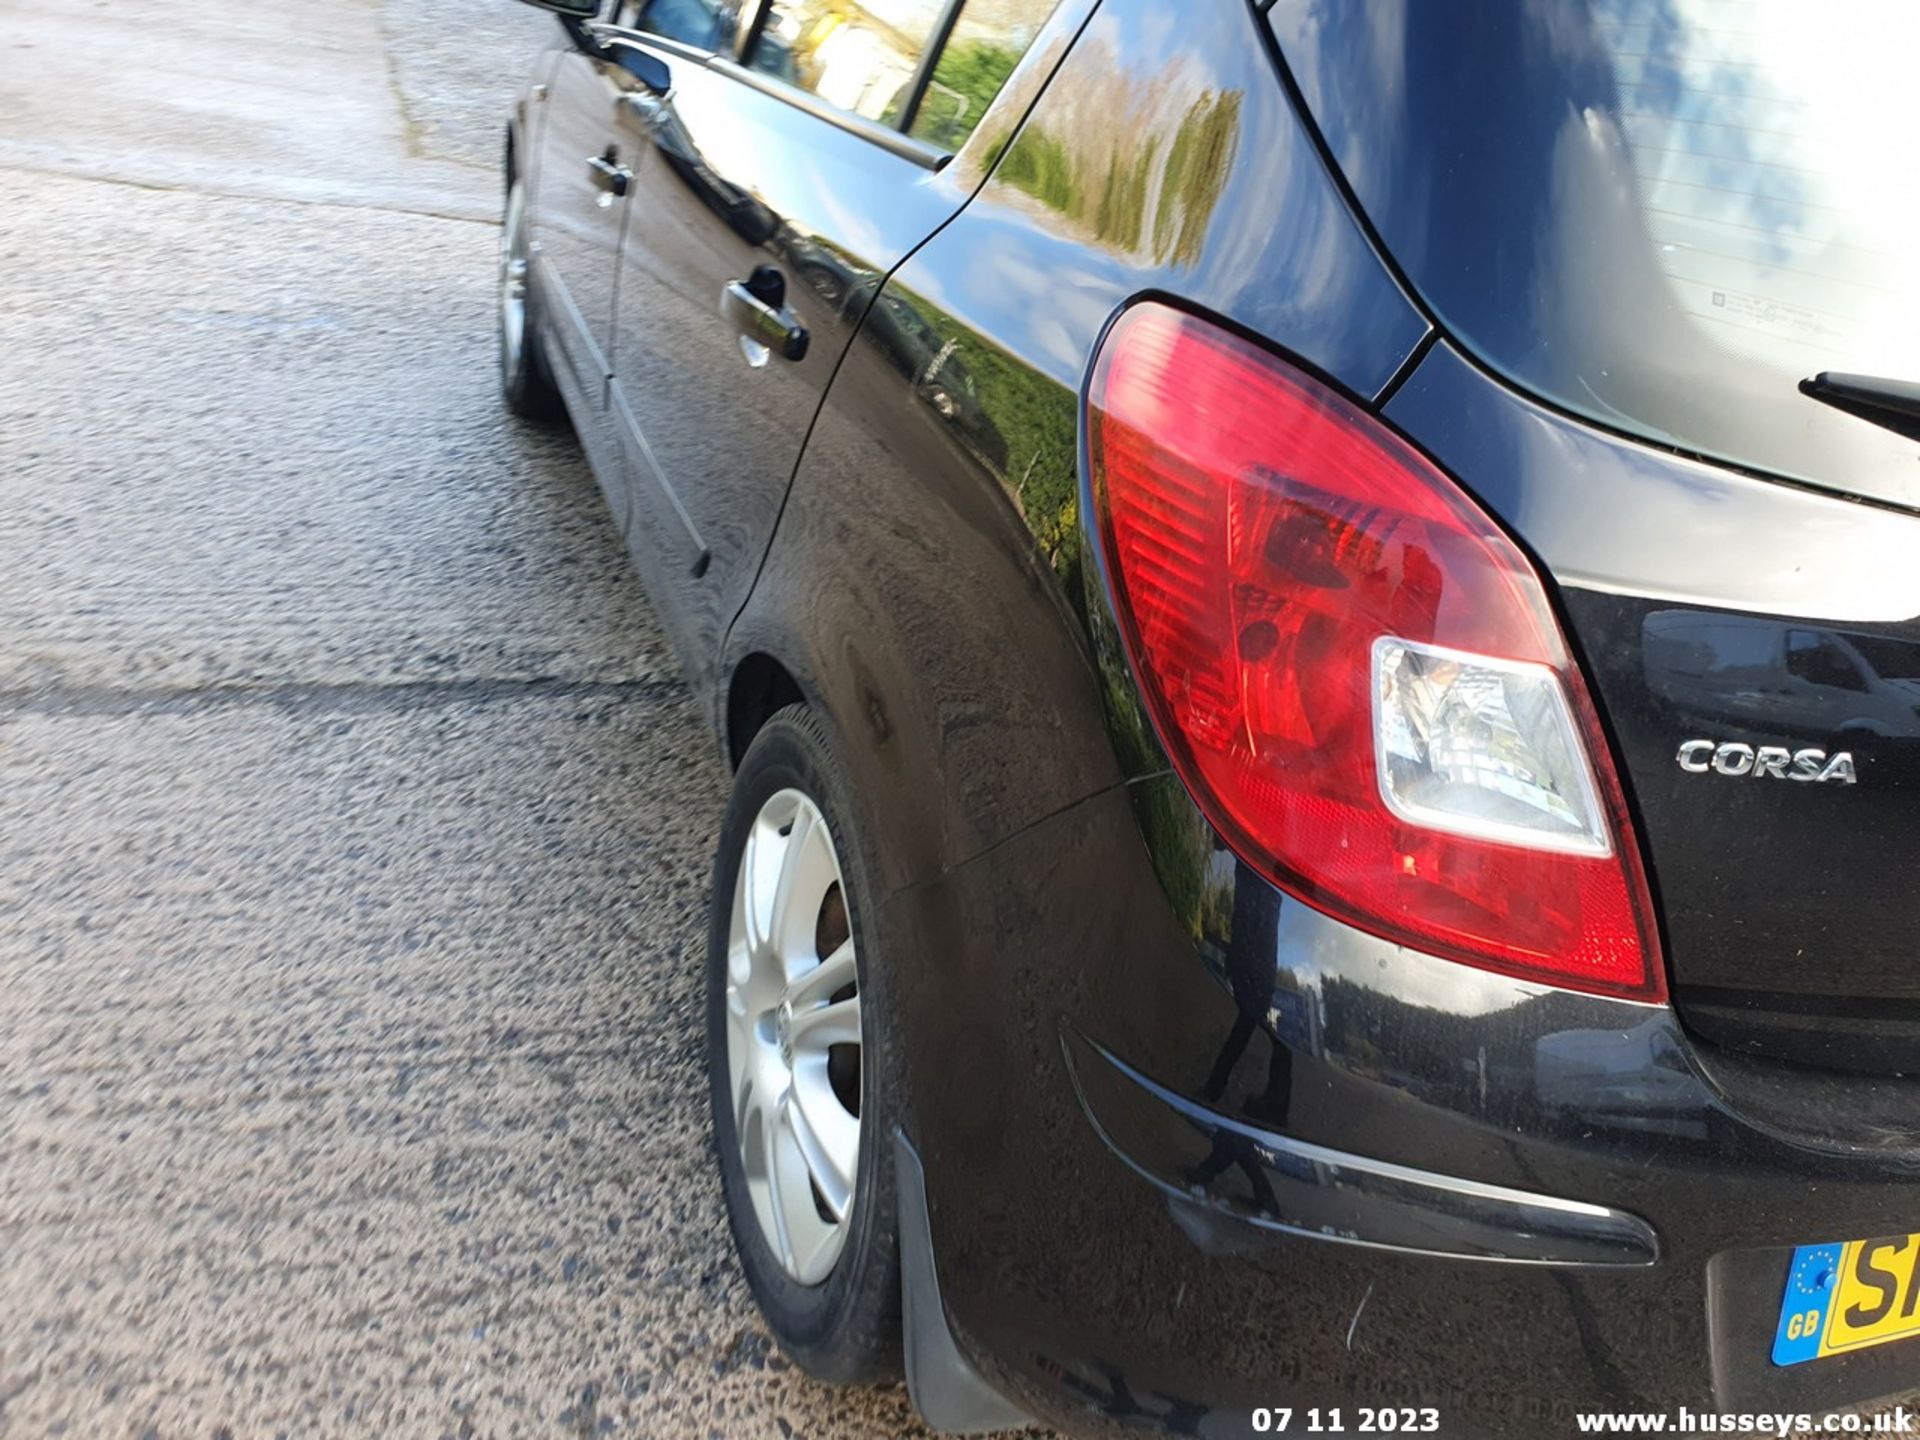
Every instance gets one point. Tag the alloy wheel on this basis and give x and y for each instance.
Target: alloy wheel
(513, 282)
(793, 1036)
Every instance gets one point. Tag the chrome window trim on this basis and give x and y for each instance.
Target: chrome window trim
(885, 136)
(607, 33)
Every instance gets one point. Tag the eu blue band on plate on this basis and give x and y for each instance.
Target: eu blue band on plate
(1811, 1284)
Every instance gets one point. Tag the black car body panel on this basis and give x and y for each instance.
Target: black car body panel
(735, 186)
(1189, 1145)
(1111, 1271)
(904, 517)
(739, 185)
(578, 260)
(1711, 605)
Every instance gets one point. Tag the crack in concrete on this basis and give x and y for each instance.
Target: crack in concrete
(346, 697)
(264, 195)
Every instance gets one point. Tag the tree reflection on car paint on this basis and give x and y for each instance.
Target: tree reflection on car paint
(1135, 193)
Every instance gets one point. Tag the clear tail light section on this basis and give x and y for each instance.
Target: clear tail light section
(1356, 674)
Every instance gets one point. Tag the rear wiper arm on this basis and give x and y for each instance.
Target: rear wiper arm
(1892, 404)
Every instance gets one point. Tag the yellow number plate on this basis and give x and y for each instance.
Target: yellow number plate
(1849, 1295)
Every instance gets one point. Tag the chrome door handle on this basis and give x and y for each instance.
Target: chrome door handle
(609, 175)
(774, 327)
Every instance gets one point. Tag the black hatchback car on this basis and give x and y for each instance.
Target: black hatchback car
(1313, 610)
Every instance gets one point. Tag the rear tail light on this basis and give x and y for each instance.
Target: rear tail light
(1354, 671)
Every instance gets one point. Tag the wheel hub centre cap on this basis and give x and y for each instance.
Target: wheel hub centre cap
(783, 1030)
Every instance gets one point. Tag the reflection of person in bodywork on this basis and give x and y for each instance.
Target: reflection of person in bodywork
(699, 23)
(1250, 976)
(1116, 1400)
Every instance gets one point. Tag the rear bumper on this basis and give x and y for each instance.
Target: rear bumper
(1213, 1167)
(1231, 1153)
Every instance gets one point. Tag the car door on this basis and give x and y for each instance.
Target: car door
(582, 187)
(785, 184)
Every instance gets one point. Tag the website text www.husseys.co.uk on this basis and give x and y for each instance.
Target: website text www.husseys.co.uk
(1692, 1422)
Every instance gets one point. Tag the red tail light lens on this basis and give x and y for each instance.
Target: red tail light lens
(1356, 674)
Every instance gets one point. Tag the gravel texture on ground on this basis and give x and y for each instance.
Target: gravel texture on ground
(354, 825)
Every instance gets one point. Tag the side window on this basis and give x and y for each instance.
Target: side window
(858, 57)
(704, 24)
(988, 40)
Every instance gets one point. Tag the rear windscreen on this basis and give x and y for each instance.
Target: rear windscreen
(1662, 214)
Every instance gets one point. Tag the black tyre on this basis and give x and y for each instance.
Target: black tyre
(803, 1110)
(525, 381)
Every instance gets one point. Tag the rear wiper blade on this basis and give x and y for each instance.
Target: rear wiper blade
(1892, 404)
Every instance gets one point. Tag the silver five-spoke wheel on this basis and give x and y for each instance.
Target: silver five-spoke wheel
(793, 1035)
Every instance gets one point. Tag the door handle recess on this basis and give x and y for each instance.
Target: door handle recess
(609, 175)
(772, 326)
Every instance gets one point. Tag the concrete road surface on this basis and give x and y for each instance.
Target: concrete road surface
(354, 828)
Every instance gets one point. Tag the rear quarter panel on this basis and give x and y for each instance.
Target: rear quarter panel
(930, 582)
(932, 587)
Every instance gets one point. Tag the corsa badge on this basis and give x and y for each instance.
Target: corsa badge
(1767, 762)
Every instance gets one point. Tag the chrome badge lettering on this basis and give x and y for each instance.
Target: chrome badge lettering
(1766, 762)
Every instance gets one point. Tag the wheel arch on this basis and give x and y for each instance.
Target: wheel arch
(758, 688)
